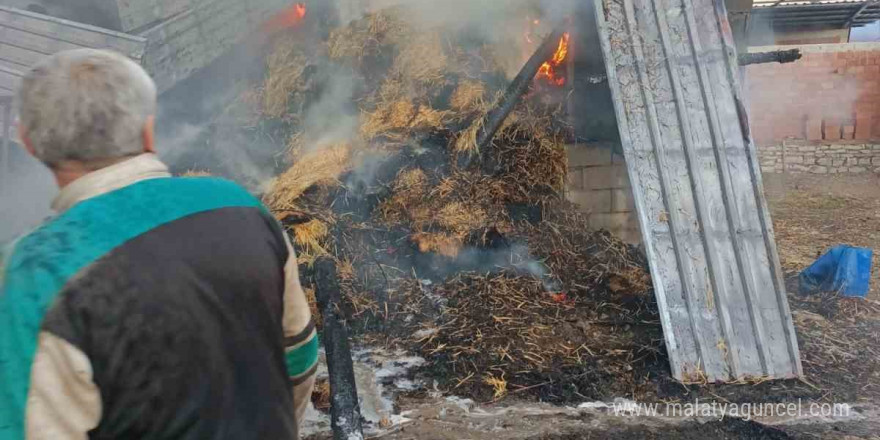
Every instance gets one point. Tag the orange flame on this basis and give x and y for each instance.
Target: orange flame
(287, 18)
(548, 69)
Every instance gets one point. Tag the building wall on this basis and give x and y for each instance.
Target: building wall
(101, 13)
(598, 182)
(832, 93)
(761, 34)
(26, 38)
(820, 158)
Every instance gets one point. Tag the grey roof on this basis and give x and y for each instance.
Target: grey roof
(826, 14)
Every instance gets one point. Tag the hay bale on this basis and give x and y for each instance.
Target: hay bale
(323, 166)
(411, 181)
(423, 60)
(388, 118)
(309, 238)
(396, 119)
(461, 217)
(367, 36)
(392, 89)
(428, 118)
(284, 70)
(389, 26)
(531, 150)
(408, 202)
(468, 97)
(466, 141)
(346, 43)
(437, 242)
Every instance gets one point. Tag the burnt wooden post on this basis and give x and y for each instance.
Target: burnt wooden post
(777, 56)
(345, 413)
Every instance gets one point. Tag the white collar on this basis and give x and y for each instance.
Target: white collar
(141, 167)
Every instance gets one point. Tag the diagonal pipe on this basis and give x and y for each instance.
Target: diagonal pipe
(492, 121)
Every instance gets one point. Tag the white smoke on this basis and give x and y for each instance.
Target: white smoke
(25, 194)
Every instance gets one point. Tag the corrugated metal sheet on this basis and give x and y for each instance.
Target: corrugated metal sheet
(775, 3)
(27, 37)
(825, 14)
(695, 176)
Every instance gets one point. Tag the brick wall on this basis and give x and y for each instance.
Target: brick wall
(598, 182)
(820, 158)
(832, 93)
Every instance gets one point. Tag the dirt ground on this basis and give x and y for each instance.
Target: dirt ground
(837, 338)
(814, 212)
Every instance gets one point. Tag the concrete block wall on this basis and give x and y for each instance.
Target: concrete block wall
(831, 94)
(598, 182)
(793, 156)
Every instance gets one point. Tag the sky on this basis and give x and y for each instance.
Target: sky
(870, 32)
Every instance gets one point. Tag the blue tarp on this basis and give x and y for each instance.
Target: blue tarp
(844, 269)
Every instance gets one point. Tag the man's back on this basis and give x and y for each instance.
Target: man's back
(164, 302)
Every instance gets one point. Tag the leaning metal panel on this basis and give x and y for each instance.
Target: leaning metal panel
(697, 183)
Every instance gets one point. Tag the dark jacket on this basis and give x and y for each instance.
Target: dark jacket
(154, 307)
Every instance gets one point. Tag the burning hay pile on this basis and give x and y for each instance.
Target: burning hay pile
(470, 258)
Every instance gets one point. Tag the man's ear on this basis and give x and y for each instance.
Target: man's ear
(25, 140)
(149, 135)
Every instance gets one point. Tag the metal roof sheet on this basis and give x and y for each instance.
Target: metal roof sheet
(823, 13)
(697, 184)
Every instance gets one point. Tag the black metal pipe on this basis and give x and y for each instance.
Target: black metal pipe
(778, 56)
(493, 120)
(345, 412)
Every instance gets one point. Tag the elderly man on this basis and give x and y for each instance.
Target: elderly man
(150, 306)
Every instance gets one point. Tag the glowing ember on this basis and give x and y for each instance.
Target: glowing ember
(548, 69)
(287, 18)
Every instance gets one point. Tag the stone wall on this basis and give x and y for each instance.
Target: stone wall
(598, 182)
(820, 158)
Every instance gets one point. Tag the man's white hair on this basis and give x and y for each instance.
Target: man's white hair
(85, 105)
